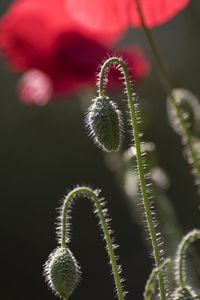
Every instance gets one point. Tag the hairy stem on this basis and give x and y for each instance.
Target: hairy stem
(94, 196)
(141, 173)
(170, 92)
(150, 284)
(180, 258)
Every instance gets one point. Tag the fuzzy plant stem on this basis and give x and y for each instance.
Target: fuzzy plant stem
(93, 195)
(150, 284)
(166, 80)
(180, 258)
(118, 61)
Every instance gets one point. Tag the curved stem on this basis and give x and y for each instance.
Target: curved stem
(170, 91)
(180, 258)
(94, 196)
(139, 161)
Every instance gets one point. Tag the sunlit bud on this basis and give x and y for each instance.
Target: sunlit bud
(184, 293)
(189, 108)
(104, 123)
(62, 272)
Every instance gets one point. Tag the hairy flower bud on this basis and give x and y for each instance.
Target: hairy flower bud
(104, 123)
(62, 272)
(189, 108)
(184, 293)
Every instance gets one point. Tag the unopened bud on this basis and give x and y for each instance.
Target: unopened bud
(104, 123)
(62, 272)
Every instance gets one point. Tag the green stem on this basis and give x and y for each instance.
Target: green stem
(141, 173)
(93, 195)
(180, 258)
(170, 92)
(150, 284)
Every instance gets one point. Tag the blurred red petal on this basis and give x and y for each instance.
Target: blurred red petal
(155, 12)
(34, 87)
(114, 16)
(108, 17)
(25, 32)
(76, 59)
(37, 35)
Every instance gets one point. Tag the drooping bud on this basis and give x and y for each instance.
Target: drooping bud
(62, 272)
(184, 293)
(189, 108)
(104, 123)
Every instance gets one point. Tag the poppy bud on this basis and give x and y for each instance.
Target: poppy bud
(184, 293)
(104, 123)
(62, 272)
(189, 108)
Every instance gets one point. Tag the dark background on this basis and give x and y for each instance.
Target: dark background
(45, 152)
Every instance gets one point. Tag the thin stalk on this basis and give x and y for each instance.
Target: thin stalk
(170, 91)
(150, 284)
(94, 197)
(141, 173)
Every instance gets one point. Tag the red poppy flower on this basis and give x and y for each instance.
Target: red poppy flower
(113, 16)
(34, 36)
